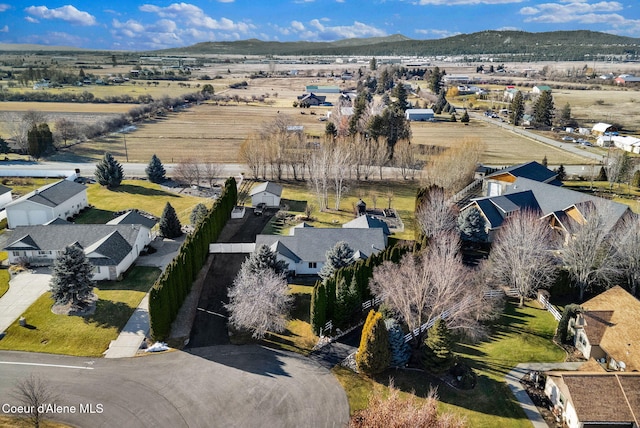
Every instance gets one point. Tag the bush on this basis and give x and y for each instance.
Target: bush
(465, 377)
(373, 354)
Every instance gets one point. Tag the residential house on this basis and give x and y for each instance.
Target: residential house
(598, 400)
(601, 128)
(135, 217)
(311, 99)
(627, 143)
(559, 206)
(509, 94)
(625, 79)
(607, 330)
(538, 89)
(268, 193)
(304, 250)
(5, 196)
(62, 199)
(111, 248)
(496, 183)
(419, 114)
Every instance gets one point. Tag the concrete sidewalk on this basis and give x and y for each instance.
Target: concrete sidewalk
(513, 382)
(133, 333)
(24, 289)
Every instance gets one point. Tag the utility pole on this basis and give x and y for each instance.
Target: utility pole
(126, 153)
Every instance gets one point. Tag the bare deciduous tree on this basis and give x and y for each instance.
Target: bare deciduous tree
(435, 283)
(252, 153)
(259, 302)
(454, 168)
(65, 130)
(436, 214)
(211, 172)
(33, 392)
(189, 171)
(589, 253)
(319, 173)
(627, 245)
(521, 257)
(339, 168)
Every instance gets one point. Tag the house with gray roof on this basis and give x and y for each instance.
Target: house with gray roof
(268, 193)
(558, 205)
(5, 196)
(134, 217)
(496, 183)
(305, 249)
(62, 199)
(111, 248)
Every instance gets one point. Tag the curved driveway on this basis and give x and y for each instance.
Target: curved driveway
(221, 386)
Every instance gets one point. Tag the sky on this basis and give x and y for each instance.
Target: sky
(142, 25)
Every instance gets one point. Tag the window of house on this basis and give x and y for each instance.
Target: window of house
(313, 265)
(16, 253)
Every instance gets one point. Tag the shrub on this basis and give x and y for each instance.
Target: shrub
(373, 354)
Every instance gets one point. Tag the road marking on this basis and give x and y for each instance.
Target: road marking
(45, 365)
(212, 313)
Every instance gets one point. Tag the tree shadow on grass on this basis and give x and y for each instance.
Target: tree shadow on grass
(110, 314)
(295, 206)
(142, 191)
(94, 216)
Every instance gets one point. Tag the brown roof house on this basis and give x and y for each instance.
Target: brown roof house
(595, 400)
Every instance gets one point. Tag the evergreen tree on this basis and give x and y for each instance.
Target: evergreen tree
(545, 162)
(170, 226)
(400, 93)
(562, 173)
(263, 258)
(438, 357)
(453, 118)
(330, 130)
(465, 117)
(39, 140)
(435, 80)
(373, 64)
(602, 175)
(109, 172)
(198, 214)
(441, 103)
(472, 226)
(517, 108)
(373, 355)
(72, 279)
(543, 109)
(400, 350)
(4, 146)
(155, 170)
(318, 307)
(340, 255)
(565, 114)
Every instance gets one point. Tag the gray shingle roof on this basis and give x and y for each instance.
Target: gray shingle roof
(110, 250)
(134, 217)
(4, 189)
(496, 208)
(267, 186)
(367, 221)
(109, 240)
(311, 244)
(52, 194)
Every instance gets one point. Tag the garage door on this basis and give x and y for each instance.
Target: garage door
(37, 217)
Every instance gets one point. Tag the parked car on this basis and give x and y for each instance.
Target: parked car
(586, 143)
(259, 209)
(567, 138)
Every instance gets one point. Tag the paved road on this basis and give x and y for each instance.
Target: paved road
(222, 386)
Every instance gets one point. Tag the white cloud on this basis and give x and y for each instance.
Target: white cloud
(194, 16)
(465, 2)
(4, 29)
(31, 20)
(441, 34)
(297, 25)
(66, 13)
(4, 7)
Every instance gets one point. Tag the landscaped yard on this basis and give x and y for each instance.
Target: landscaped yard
(520, 335)
(4, 281)
(83, 336)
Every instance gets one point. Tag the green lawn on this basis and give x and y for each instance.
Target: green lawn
(403, 195)
(140, 194)
(520, 335)
(621, 193)
(82, 336)
(4, 281)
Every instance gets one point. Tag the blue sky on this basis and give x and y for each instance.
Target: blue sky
(142, 25)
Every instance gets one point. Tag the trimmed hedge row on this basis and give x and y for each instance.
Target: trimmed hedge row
(171, 288)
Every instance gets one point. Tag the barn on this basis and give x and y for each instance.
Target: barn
(419, 114)
(268, 193)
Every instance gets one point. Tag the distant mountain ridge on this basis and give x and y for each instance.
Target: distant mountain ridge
(553, 45)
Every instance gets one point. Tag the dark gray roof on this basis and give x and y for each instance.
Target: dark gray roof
(496, 208)
(4, 189)
(134, 217)
(368, 221)
(53, 194)
(532, 170)
(267, 186)
(311, 244)
(58, 220)
(110, 250)
(109, 240)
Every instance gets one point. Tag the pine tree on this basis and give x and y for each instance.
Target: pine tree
(373, 355)
(517, 108)
(602, 175)
(170, 226)
(39, 140)
(438, 357)
(263, 258)
(545, 161)
(565, 114)
(199, 213)
(465, 117)
(71, 280)
(339, 256)
(4, 146)
(318, 307)
(109, 172)
(543, 109)
(562, 173)
(400, 93)
(400, 350)
(155, 170)
(472, 226)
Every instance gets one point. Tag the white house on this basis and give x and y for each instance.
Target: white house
(602, 128)
(540, 89)
(419, 114)
(111, 248)
(5, 196)
(61, 199)
(268, 193)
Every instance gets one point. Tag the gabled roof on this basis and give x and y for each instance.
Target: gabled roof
(134, 217)
(311, 244)
(109, 240)
(543, 87)
(601, 127)
(496, 208)
(268, 187)
(532, 170)
(4, 189)
(108, 251)
(368, 221)
(52, 194)
(57, 220)
(299, 226)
